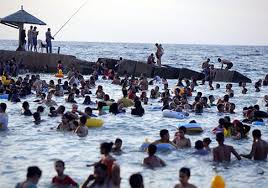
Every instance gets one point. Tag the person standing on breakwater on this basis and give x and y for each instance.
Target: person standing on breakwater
(159, 52)
(30, 38)
(48, 40)
(34, 40)
(228, 63)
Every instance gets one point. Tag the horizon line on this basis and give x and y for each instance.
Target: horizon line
(168, 43)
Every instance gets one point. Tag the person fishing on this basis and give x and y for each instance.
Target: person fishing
(48, 40)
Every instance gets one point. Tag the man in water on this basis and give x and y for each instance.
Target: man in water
(223, 152)
(228, 63)
(159, 52)
(259, 147)
(48, 40)
(164, 138)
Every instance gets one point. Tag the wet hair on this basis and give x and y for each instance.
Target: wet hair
(197, 99)
(118, 140)
(218, 86)
(207, 140)
(61, 109)
(226, 98)
(3, 106)
(152, 149)
(83, 120)
(61, 162)
(33, 171)
(136, 180)
(219, 59)
(186, 171)
(107, 146)
(163, 132)
(210, 97)
(220, 137)
(36, 116)
(88, 109)
(52, 108)
(199, 145)
(221, 121)
(199, 94)
(257, 107)
(25, 105)
(137, 104)
(256, 133)
(193, 121)
(40, 109)
(182, 128)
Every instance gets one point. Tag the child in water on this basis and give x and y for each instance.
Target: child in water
(117, 147)
(184, 176)
(61, 179)
(82, 130)
(152, 160)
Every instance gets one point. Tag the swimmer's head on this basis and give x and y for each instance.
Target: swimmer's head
(184, 175)
(152, 149)
(59, 166)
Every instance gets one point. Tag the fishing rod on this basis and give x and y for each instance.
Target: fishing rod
(71, 17)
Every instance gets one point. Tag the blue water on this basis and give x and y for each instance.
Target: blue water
(26, 144)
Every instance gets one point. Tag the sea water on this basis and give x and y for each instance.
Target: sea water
(26, 144)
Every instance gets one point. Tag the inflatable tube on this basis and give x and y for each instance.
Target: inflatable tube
(59, 75)
(192, 128)
(164, 147)
(4, 96)
(154, 108)
(258, 123)
(173, 114)
(92, 122)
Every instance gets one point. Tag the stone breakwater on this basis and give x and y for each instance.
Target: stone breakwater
(42, 62)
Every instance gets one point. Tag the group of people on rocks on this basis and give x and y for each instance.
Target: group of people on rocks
(134, 94)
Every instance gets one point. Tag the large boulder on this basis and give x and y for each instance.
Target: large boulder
(127, 67)
(188, 74)
(223, 75)
(143, 68)
(166, 72)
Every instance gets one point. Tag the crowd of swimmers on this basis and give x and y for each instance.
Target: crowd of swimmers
(134, 95)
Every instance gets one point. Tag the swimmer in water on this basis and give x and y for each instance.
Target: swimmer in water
(164, 138)
(117, 147)
(223, 152)
(82, 130)
(259, 149)
(62, 179)
(152, 160)
(180, 140)
(184, 176)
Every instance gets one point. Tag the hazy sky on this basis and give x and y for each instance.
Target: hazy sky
(167, 21)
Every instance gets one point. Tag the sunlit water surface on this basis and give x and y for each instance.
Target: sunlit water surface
(26, 144)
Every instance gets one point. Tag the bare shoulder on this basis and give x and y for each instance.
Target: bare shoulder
(177, 186)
